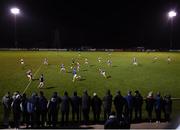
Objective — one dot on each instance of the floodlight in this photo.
(15, 11)
(172, 14)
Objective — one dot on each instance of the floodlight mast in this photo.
(15, 11)
(171, 15)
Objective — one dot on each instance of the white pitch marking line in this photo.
(31, 80)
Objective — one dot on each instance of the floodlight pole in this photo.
(15, 35)
(171, 34)
(171, 15)
(15, 11)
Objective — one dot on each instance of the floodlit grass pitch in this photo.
(147, 76)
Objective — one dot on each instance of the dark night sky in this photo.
(101, 24)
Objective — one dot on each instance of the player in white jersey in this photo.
(45, 61)
(109, 63)
(99, 59)
(78, 66)
(155, 59)
(86, 61)
(103, 73)
(79, 54)
(72, 64)
(135, 61)
(169, 59)
(62, 68)
(29, 75)
(22, 61)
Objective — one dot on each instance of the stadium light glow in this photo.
(172, 14)
(15, 11)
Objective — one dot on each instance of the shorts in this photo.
(41, 83)
(29, 76)
(75, 76)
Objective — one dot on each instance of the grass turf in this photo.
(147, 76)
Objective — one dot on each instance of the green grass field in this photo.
(147, 76)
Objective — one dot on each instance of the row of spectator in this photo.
(37, 111)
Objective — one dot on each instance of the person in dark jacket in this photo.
(65, 106)
(6, 102)
(86, 102)
(119, 103)
(167, 107)
(124, 122)
(16, 110)
(149, 105)
(53, 108)
(42, 108)
(129, 105)
(25, 117)
(112, 122)
(96, 107)
(32, 106)
(158, 107)
(138, 101)
(76, 104)
(107, 104)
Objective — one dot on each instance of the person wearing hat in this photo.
(6, 102)
(86, 103)
(107, 104)
(65, 106)
(138, 102)
(75, 104)
(150, 105)
(96, 107)
(119, 103)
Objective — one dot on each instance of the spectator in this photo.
(112, 122)
(167, 107)
(138, 101)
(14, 95)
(75, 103)
(65, 107)
(119, 103)
(16, 110)
(158, 107)
(124, 122)
(32, 110)
(25, 117)
(6, 102)
(149, 105)
(96, 107)
(129, 105)
(107, 104)
(42, 108)
(86, 102)
(53, 107)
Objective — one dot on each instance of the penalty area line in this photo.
(31, 80)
